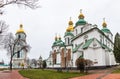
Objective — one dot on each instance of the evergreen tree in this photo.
(44, 64)
(117, 47)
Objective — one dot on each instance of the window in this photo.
(19, 36)
(76, 32)
(106, 42)
(18, 54)
(101, 39)
(68, 41)
(81, 30)
(65, 40)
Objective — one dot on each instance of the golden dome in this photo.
(104, 23)
(21, 29)
(81, 16)
(70, 27)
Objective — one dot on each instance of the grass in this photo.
(116, 70)
(48, 74)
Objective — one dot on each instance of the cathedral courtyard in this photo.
(109, 73)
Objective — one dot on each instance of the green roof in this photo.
(59, 43)
(104, 46)
(76, 48)
(90, 41)
(106, 30)
(80, 22)
(69, 34)
(87, 43)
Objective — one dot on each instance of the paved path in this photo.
(11, 75)
(100, 74)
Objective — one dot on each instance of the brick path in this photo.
(100, 74)
(11, 75)
(92, 76)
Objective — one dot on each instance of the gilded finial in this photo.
(21, 26)
(59, 37)
(81, 16)
(70, 18)
(104, 23)
(80, 10)
(70, 22)
(55, 36)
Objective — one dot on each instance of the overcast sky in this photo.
(43, 23)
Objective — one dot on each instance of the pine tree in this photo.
(117, 47)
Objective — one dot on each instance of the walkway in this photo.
(100, 74)
(10, 75)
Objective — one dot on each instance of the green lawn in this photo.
(48, 74)
(116, 70)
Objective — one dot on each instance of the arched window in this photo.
(18, 54)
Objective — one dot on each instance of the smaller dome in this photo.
(70, 27)
(69, 34)
(105, 30)
(70, 22)
(21, 29)
(58, 43)
(81, 16)
(80, 22)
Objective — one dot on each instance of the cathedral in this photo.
(19, 58)
(82, 40)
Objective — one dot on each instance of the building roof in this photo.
(88, 42)
(81, 34)
(86, 45)
(78, 46)
(58, 43)
(69, 34)
(106, 30)
(80, 22)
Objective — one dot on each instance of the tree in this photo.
(80, 63)
(30, 3)
(44, 64)
(34, 62)
(40, 62)
(83, 64)
(117, 47)
(88, 63)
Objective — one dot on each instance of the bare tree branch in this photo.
(30, 3)
(3, 27)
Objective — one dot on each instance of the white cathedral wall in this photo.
(74, 59)
(58, 58)
(112, 58)
(96, 55)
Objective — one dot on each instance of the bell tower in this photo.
(19, 58)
